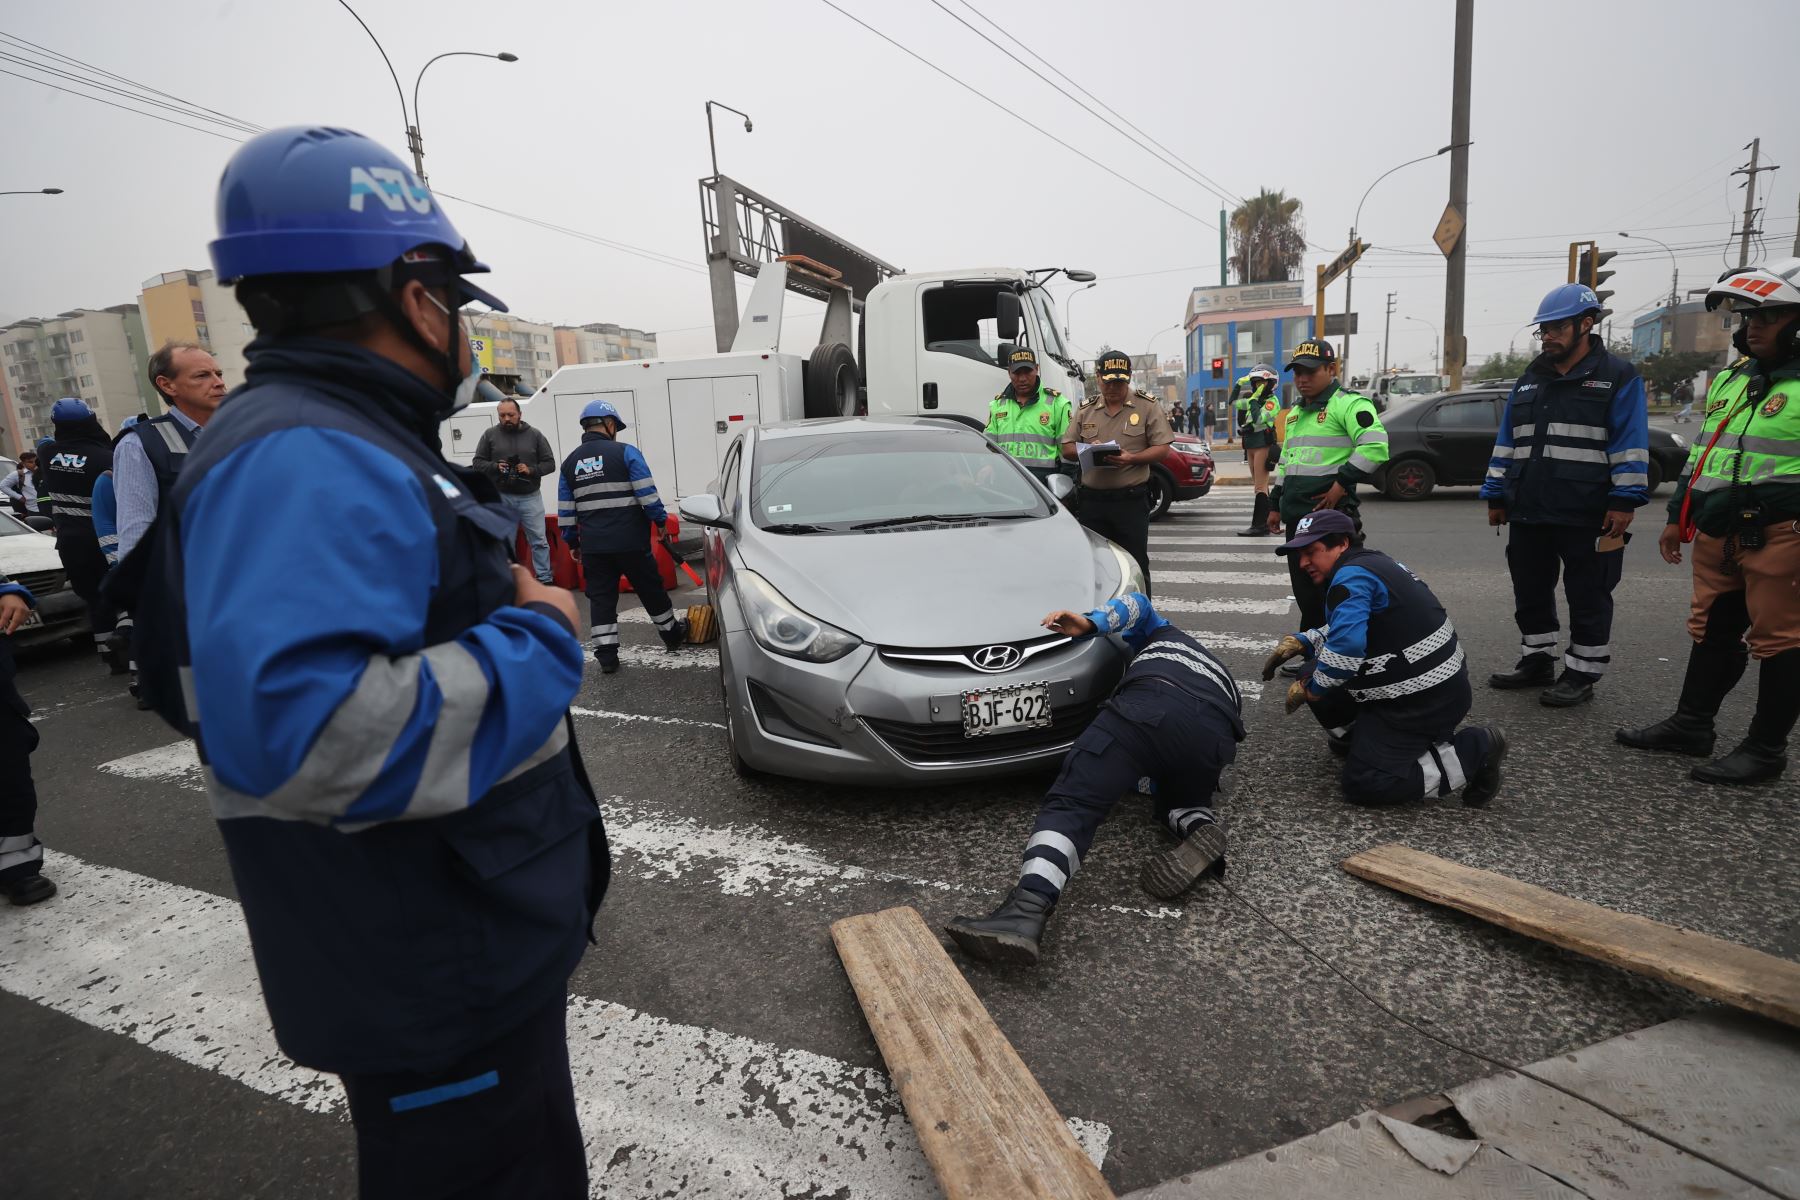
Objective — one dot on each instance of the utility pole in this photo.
(1349, 281)
(1387, 332)
(1456, 347)
(1797, 232)
(1750, 173)
(1223, 256)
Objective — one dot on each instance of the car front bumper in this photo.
(870, 719)
(64, 615)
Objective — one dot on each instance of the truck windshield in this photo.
(829, 482)
(1414, 385)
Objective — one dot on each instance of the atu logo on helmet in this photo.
(390, 186)
(1304, 525)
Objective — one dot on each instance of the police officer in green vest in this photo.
(1256, 400)
(1335, 440)
(1028, 420)
(1738, 503)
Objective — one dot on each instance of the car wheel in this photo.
(739, 767)
(1161, 493)
(1656, 476)
(1412, 479)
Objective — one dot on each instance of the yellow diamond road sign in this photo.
(1449, 230)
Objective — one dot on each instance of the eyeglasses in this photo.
(1549, 327)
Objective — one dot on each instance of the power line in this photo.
(1162, 153)
(1015, 116)
(56, 54)
(655, 256)
(127, 94)
(127, 108)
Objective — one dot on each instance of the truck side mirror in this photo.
(1008, 312)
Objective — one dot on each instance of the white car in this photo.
(30, 558)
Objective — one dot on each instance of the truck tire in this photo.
(830, 385)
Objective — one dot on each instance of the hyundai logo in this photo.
(997, 658)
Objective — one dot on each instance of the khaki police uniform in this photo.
(1115, 500)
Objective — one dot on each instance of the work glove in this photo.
(1296, 696)
(572, 540)
(1289, 647)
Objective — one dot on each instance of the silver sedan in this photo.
(879, 586)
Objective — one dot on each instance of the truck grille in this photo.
(937, 743)
(41, 583)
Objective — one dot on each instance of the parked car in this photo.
(29, 557)
(1446, 441)
(1185, 474)
(879, 585)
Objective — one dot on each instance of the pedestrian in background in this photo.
(147, 460)
(22, 878)
(1570, 469)
(518, 458)
(1256, 403)
(74, 461)
(380, 699)
(1115, 494)
(19, 487)
(606, 504)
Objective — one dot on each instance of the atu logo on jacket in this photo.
(74, 462)
(590, 466)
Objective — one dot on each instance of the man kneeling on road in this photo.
(1389, 683)
(1175, 719)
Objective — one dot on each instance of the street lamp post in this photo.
(413, 135)
(1434, 341)
(1355, 224)
(1674, 285)
(1149, 351)
(58, 192)
(711, 144)
(1069, 308)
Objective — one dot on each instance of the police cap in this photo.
(1021, 358)
(1313, 352)
(1113, 364)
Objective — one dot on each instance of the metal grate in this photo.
(41, 583)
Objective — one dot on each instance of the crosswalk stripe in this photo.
(664, 660)
(1210, 556)
(1175, 604)
(1222, 579)
(1226, 540)
(666, 1108)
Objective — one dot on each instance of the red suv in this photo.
(1186, 473)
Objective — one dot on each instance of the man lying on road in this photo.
(1175, 719)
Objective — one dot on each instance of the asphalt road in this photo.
(1185, 1034)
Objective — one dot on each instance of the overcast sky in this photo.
(1587, 119)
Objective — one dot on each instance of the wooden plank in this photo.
(1713, 967)
(986, 1126)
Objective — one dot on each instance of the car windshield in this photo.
(1414, 385)
(9, 526)
(834, 482)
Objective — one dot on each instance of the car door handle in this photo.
(1434, 437)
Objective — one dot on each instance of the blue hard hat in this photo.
(313, 199)
(1568, 300)
(128, 422)
(45, 443)
(597, 410)
(70, 409)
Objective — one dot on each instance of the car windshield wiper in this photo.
(796, 528)
(920, 519)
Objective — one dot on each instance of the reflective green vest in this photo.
(1759, 451)
(1341, 440)
(1032, 433)
(1252, 413)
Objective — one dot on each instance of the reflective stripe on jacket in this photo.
(1031, 432)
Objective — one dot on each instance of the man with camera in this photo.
(517, 458)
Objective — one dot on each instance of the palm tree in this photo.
(1268, 238)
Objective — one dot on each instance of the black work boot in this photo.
(28, 889)
(1485, 783)
(1712, 672)
(1572, 689)
(1171, 872)
(1762, 755)
(1534, 670)
(1010, 933)
(608, 658)
(1259, 520)
(676, 635)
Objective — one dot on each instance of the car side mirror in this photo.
(703, 509)
(40, 523)
(1061, 486)
(1008, 313)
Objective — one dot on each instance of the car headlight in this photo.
(780, 627)
(1680, 442)
(1118, 572)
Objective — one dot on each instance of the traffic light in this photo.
(1592, 273)
(1218, 368)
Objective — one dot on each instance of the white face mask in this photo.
(465, 387)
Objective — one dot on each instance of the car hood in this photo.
(943, 586)
(24, 553)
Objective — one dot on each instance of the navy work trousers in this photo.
(1401, 753)
(498, 1123)
(1123, 517)
(20, 852)
(603, 571)
(1147, 729)
(1535, 554)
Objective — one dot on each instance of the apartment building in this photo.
(599, 343)
(98, 355)
(192, 306)
(514, 349)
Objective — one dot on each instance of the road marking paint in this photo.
(1214, 556)
(609, 715)
(1223, 579)
(665, 1108)
(1175, 604)
(663, 660)
(740, 860)
(1222, 540)
(39, 714)
(1215, 640)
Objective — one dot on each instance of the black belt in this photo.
(1123, 493)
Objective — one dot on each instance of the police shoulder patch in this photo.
(1337, 595)
(1365, 418)
(1052, 393)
